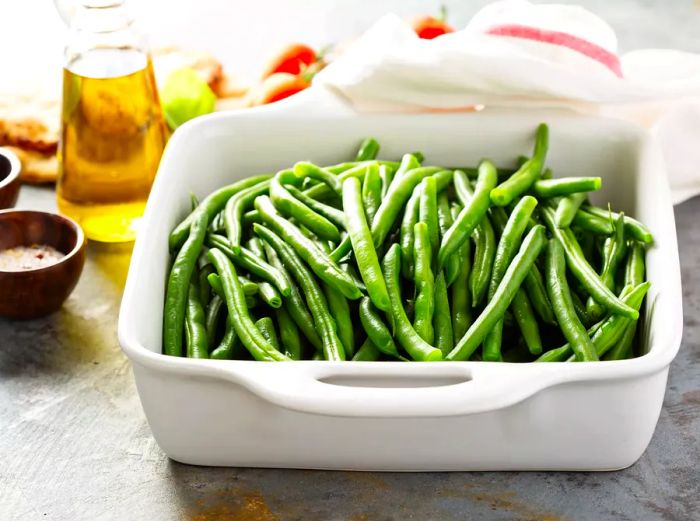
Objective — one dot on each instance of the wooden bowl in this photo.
(35, 293)
(9, 178)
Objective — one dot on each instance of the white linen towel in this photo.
(516, 53)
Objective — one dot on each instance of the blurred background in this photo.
(242, 33)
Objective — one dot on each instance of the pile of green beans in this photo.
(398, 260)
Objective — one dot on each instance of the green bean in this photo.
(634, 268)
(445, 220)
(485, 250)
(537, 293)
(579, 266)
(342, 250)
(238, 313)
(208, 208)
(546, 174)
(249, 288)
(526, 175)
(614, 250)
(334, 215)
(215, 283)
(368, 352)
(408, 221)
(495, 309)
(350, 270)
(204, 287)
(567, 208)
(368, 150)
(561, 354)
(233, 212)
(442, 320)
(472, 172)
(332, 346)
(267, 328)
(414, 345)
(386, 175)
(340, 311)
(228, 346)
(269, 294)
(463, 189)
(361, 238)
(408, 162)
(195, 328)
(491, 350)
(428, 212)
(251, 217)
(560, 296)
(194, 201)
(612, 330)
(178, 285)
(591, 223)
(633, 227)
(580, 309)
(341, 168)
(319, 261)
(525, 317)
(461, 299)
(322, 190)
(375, 328)
(424, 283)
(399, 192)
(308, 182)
(304, 169)
(289, 335)
(249, 261)
(508, 245)
(255, 246)
(291, 207)
(443, 179)
(371, 191)
(217, 223)
(295, 304)
(213, 313)
(607, 333)
(565, 186)
(471, 215)
(623, 348)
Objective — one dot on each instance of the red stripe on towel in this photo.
(591, 50)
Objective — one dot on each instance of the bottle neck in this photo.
(102, 41)
(101, 16)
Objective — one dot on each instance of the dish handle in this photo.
(391, 389)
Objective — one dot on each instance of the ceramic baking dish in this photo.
(402, 416)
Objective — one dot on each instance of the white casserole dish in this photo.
(399, 416)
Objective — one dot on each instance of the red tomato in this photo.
(279, 86)
(429, 27)
(292, 59)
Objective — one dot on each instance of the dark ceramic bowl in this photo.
(38, 292)
(9, 178)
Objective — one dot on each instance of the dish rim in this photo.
(542, 375)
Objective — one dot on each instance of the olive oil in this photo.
(113, 135)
